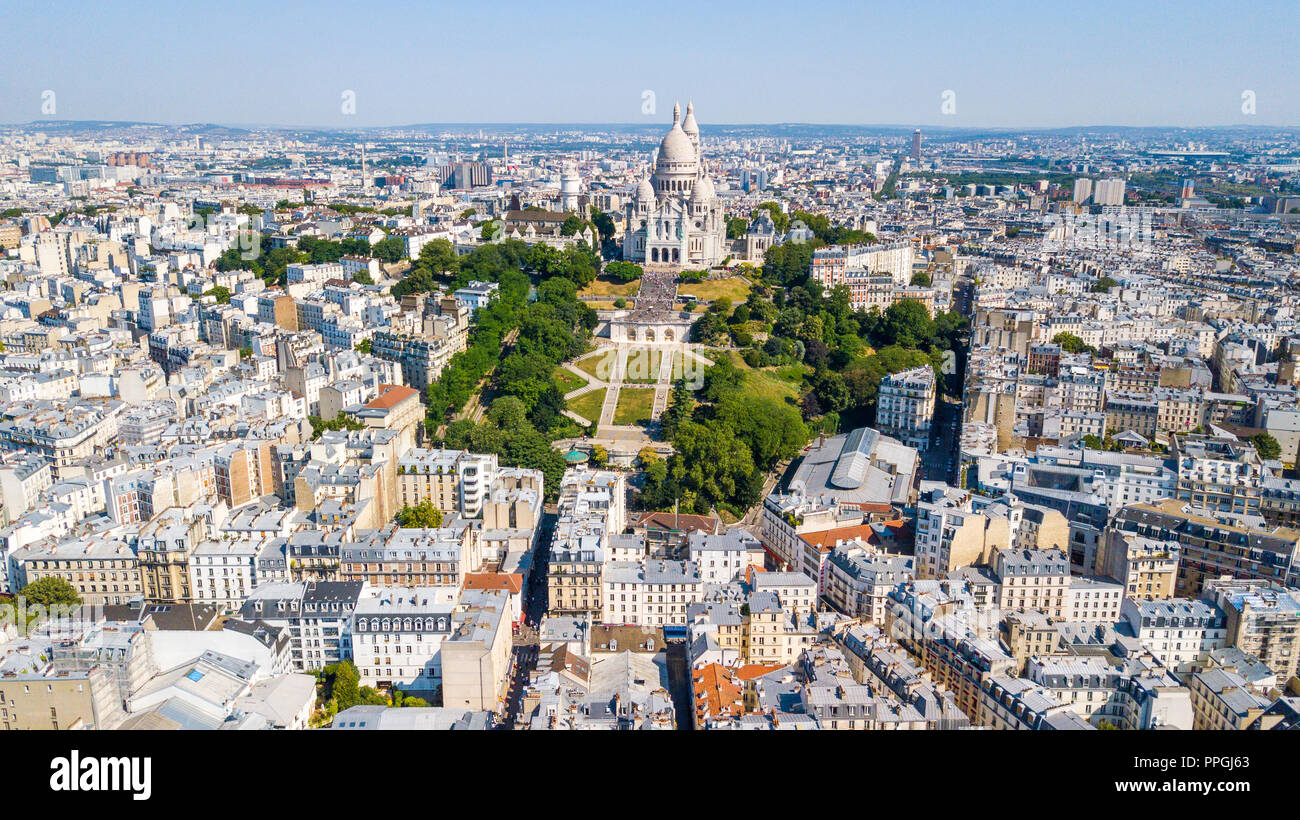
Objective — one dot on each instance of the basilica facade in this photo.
(675, 221)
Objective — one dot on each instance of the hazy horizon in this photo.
(651, 128)
(1008, 64)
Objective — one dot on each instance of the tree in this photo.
(363, 346)
(624, 271)
(907, 323)
(604, 224)
(678, 409)
(346, 689)
(599, 457)
(1104, 284)
(339, 422)
(833, 394)
(720, 379)
(221, 292)
(389, 250)
(772, 429)
(921, 279)
(780, 219)
(369, 696)
(572, 224)
(423, 514)
(580, 264)
(1072, 344)
(712, 466)
(1267, 446)
(509, 413)
(50, 591)
(439, 258)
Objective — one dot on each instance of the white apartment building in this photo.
(223, 573)
(796, 591)
(905, 406)
(1093, 601)
(1133, 694)
(454, 481)
(650, 593)
(859, 580)
(832, 265)
(724, 558)
(1177, 631)
(23, 477)
(585, 492)
(397, 636)
(1031, 579)
(1108, 192)
(318, 274)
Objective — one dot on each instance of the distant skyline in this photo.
(1008, 64)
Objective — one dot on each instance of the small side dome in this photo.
(703, 193)
(645, 192)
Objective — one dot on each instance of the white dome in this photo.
(676, 148)
(689, 125)
(645, 192)
(703, 191)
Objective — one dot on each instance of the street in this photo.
(679, 684)
(526, 645)
(939, 462)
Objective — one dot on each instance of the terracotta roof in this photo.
(869, 506)
(511, 581)
(750, 671)
(716, 692)
(683, 522)
(563, 660)
(825, 539)
(392, 397)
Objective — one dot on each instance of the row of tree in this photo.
(527, 413)
(725, 437)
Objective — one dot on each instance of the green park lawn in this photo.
(567, 380)
(710, 290)
(642, 366)
(611, 288)
(599, 365)
(588, 405)
(634, 406)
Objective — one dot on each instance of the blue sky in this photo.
(1009, 64)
